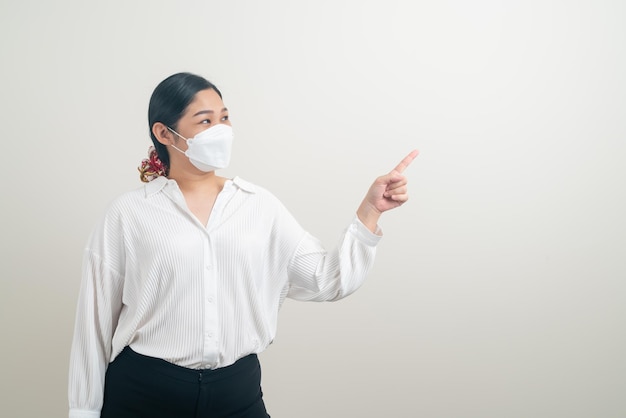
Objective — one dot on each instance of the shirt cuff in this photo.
(363, 233)
(84, 413)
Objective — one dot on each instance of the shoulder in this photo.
(128, 202)
(129, 199)
(125, 209)
(263, 198)
(253, 189)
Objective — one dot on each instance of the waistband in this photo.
(249, 363)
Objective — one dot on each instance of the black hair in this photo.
(169, 101)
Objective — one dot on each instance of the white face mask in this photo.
(210, 149)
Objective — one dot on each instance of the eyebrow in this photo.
(204, 112)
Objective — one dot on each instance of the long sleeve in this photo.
(97, 313)
(318, 275)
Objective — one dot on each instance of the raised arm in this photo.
(317, 275)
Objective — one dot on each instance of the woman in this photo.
(183, 278)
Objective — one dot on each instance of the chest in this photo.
(201, 207)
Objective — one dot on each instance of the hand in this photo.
(387, 192)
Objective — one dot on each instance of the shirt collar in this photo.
(244, 185)
(156, 185)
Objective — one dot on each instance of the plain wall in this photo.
(499, 288)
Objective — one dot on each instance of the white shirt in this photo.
(156, 279)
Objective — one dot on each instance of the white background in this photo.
(499, 289)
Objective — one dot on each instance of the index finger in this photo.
(406, 161)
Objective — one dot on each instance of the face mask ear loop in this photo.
(174, 146)
(173, 131)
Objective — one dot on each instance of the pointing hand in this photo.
(387, 192)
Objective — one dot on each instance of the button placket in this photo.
(210, 352)
(211, 347)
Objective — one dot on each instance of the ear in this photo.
(162, 134)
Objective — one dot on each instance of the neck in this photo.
(197, 182)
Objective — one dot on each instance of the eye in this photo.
(206, 121)
(224, 118)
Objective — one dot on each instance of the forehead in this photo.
(205, 100)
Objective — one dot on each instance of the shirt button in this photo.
(210, 299)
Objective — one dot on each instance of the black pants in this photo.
(137, 386)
